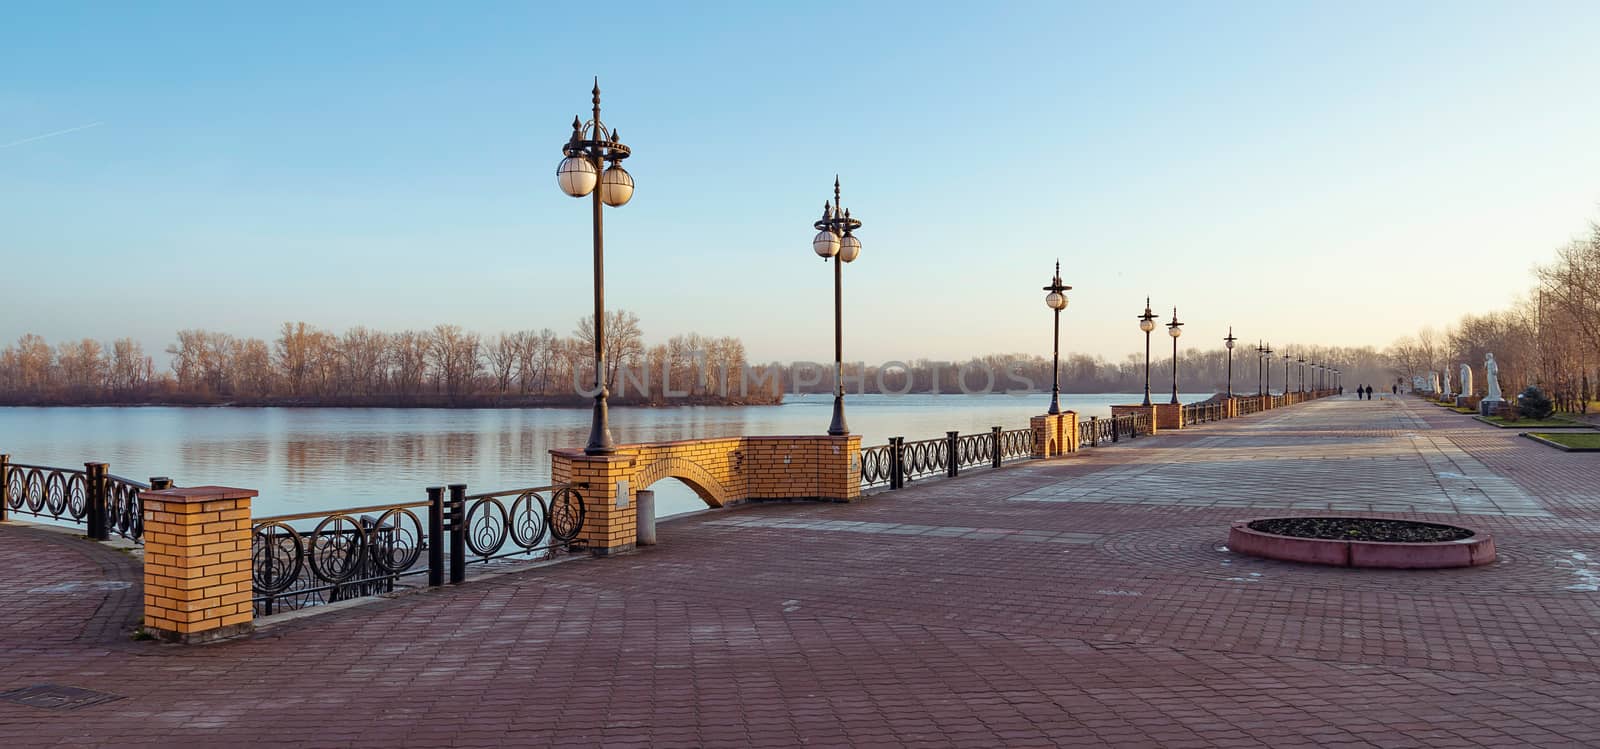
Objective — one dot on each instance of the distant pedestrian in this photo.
(1394, 389)
(1369, 392)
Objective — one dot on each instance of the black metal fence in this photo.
(1200, 413)
(1097, 432)
(103, 503)
(313, 558)
(898, 463)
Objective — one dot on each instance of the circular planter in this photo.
(1472, 550)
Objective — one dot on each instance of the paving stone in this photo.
(1085, 600)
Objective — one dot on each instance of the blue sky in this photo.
(1341, 173)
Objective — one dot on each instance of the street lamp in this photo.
(592, 167)
(836, 239)
(1147, 323)
(1229, 343)
(1175, 329)
(1285, 374)
(1056, 300)
(1300, 371)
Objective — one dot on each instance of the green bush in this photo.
(1534, 404)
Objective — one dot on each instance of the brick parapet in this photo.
(722, 471)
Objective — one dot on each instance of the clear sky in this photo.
(1334, 172)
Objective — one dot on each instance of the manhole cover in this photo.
(56, 697)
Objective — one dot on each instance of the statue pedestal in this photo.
(1468, 401)
(1488, 407)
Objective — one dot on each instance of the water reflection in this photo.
(311, 459)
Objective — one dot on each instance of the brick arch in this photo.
(697, 478)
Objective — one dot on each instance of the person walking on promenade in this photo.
(1369, 392)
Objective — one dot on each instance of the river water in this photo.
(304, 459)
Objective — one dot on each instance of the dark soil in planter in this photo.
(1361, 529)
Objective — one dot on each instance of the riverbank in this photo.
(419, 401)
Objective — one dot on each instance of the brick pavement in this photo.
(951, 613)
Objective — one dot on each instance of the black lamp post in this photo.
(1300, 371)
(1147, 323)
(1056, 300)
(1266, 368)
(1286, 374)
(1175, 329)
(585, 171)
(1229, 343)
(836, 240)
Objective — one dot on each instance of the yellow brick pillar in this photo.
(838, 468)
(1230, 408)
(1168, 416)
(1054, 434)
(610, 525)
(197, 563)
(1045, 430)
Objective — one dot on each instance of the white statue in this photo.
(1433, 382)
(1417, 384)
(1446, 387)
(1466, 379)
(1491, 378)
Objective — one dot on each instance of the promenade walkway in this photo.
(1081, 601)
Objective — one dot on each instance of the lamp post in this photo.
(1057, 301)
(1229, 343)
(1147, 323)
(1266, 366)
(1259, 348)
(1300, 371)
(1286, 375)
(1175, 329)
(584, 171)
(836, 240)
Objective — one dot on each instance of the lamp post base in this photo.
(600, 430)
(838, 427)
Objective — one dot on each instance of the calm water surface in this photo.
(304, 459)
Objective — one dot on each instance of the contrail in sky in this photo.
(51, 135)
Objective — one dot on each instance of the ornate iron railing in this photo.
(103, 503)
(924, 458)
(124, 510)
(1200, 413)
(309, 559)
(1015, 444)
(1098, 432)
(899, 462)
(877, 465)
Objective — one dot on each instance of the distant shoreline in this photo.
(419, 404)
(497, 403)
